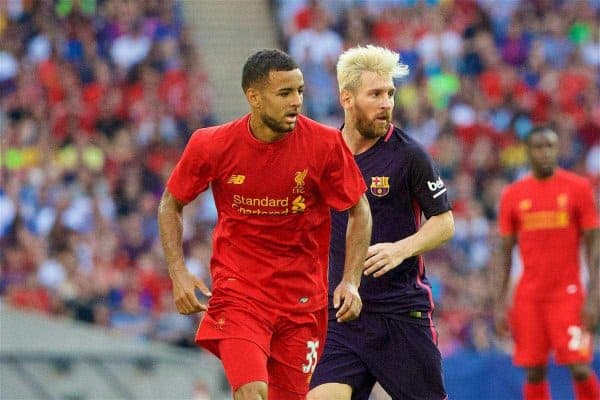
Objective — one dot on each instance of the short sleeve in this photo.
(342, 182)
(586, 207)
(427, 186)
(192, 174)
(507, 225)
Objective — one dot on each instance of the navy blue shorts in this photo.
(400, 353)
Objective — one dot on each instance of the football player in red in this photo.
(275, 175)
(548, 214)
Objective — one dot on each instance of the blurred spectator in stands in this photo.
(171, 327)
(557, 47)
(354, 27)
(439, 45)
(514, 47)
(304, 17)
(131, 319)
(200, 391)
(316, 50)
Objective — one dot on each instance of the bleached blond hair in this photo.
(355, 60)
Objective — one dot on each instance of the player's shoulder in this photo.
(400, 141)
(567, 177)
(321, 139)
(218, 133)
(521, 183)
(314, 128)
(399, 138)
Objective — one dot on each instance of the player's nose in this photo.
(296, 99)
(387, 102)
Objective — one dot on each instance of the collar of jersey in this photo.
(252, 140)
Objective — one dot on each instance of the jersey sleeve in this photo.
(507, 225)
(427, 186)
(342, 182)
(586, 209)
(192, 174)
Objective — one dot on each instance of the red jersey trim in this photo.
(388, 135)
(417, 215)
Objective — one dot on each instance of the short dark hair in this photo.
(535, 131)
(262, 62)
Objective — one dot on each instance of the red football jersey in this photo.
(548, 217)
(273, 200)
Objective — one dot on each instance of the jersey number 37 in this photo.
(311, 357)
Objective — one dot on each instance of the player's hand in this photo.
(383, 257)
(346, 294)
(501, 321)
(184, 292)
(590, 314)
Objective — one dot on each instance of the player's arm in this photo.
(591, 309)
(358, 237)
(170, 226)
(501, 266)
(383, 257)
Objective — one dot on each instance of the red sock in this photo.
(588, 389)
(536, 391)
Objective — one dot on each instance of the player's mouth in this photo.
(382, 119)
(546, 160)
(291, 117)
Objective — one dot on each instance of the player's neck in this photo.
(543, 175)
(262, 132)
(356, 142)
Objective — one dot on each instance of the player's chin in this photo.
(287, 125)
(546, 170)
(380, 127)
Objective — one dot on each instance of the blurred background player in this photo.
(548, 214)
(266, 319)
(394, 339)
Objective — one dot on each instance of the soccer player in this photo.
(394, 340)
(547, 214)
(275, 175)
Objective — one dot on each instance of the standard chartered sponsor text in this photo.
(261, 206)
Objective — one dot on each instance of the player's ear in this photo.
(253, 97)
(346, 99)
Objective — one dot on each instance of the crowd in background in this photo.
(482, 74)
(99, 97)
(98, 100)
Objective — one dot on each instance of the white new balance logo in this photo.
(433, 186)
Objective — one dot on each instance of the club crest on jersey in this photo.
(299, 179)
(562, 200)
(525, 204)
(380, 185)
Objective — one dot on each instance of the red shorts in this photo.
(277, 347)
(540, 327)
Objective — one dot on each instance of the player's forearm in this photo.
(501, 266)
(592, 242)
(436, 231)
(170, 227)
(358, 237)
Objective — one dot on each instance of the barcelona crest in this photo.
(380, 185)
